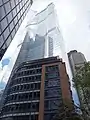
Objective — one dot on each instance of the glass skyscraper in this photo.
(46, 24)
(12, 13)
(39, 79)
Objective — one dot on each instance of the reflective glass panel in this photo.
(2, 12)
(7, 7)
(9, 16)
(6, 33)
(12, 3)
(4, 24)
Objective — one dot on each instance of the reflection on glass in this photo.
(45, 24)
(11, 26)
(6, 33)
(7, 7)
(9, 17)
(3, 24)
(2, 12)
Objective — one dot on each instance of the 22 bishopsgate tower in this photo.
(39, 83)
(12, 13)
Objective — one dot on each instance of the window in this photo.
(54, 104)
(1, 40)
(52, 93)
(37, 85)
(15, 20)
(21, 87)
(8, 40)
(17, 87)
(2, 12)
(28, 86)
(16, 27)
(23, 2)
(52, 75)
(46, 104)
(14, 12)
(35, 106)
(16, 1)
(9, 17)
(24, 86)
(6, 33)
(11, 26)
(18, 8)
(51, 83)
(12, 3)
(15, 97)
(29, 105)
(20, 5)
(4, 24)
(32, 86)
(30, 96)
(7, 7)
(49, 116)
(13, 33)
(26, 96)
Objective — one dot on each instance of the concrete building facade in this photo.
(35, 90)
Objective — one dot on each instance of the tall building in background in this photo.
(76, 59)
(36, 89)
(12, 13)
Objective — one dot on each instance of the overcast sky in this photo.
(74, 20)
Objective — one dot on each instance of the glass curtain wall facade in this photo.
(12, 13)
(45, 24)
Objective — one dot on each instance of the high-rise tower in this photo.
(12, 13)
(38, 84)
(76, 59)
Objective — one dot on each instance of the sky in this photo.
(74, 21)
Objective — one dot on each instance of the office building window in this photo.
(4, 24)
(6, 33)
(16, 2)
(16, 27)
(8, 41)
(2, 12)
(7, 7)
(9, 16)
(52, 82)
(12, 3)
(18, 9)
(20, 5)
(15, 20)
(13, 33)
(11, 26)
(19, 15)
(1, 40)
(14, 12)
